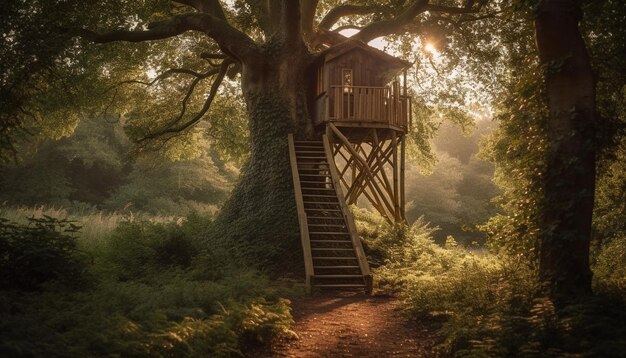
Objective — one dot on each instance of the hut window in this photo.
(346, 78)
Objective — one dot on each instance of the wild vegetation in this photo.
(147, 206)
(141, 289)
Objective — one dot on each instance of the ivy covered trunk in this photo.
(259, 220)
(571, 162)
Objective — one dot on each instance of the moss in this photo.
(259, 222)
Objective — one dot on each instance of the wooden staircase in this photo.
(333, 254)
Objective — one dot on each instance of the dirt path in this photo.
(353, 325)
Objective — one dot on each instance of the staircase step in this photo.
(335, 258)
(316, 157)
(316, 175)
(325, 217)
(315, 182)
(336, 267)
(331, 249)
(332, 203)
(319, 196)
(328, 233)
(310, 151)
(321, 189)
(309, 148)
(322, 209)
(338, 276)
(328, 225)
(340, 285)
(333, 241)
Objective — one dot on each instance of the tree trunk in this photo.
(259, 221)
(571, 161)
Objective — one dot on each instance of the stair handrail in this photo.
(347, 214)
(302, 218)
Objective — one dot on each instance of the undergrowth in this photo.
(146, 289)
(489, 304)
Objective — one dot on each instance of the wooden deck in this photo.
(362, 106)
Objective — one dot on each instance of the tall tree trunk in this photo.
(259, 221)
(571, 161)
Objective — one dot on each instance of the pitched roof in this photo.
(334, 52)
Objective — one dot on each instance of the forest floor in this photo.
(336, 324)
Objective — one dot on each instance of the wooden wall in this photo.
(367, 70)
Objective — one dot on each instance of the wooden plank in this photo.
(356, 241)
(361, 182)
(302, 219)
(402, 182)
(380, 164)
(396, 204)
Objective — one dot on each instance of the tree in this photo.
(272, 44)
(548, 147)
(569, 183)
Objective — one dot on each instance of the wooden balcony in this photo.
(365, 106)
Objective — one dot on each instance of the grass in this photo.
(139, 286)
(96, 225)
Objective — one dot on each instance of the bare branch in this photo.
(329, 38)
(340, 11)
(346, 27)
(164, 75)
(172, 128)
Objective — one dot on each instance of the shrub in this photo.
(159, 291)
(610, 268)
(42, 251)
(490, 304)
(139, 249)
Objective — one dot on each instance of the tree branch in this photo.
(230, 40)
(166, 74)
(391, 26)
(172, 128)
(340, 11)
(307, 12)
(290, 22)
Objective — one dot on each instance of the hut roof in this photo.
(393, 63)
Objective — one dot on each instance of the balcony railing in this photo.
(366, 104)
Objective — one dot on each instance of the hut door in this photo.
(348, 93)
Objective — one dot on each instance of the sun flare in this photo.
(431, 49)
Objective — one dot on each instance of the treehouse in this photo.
(362, 113)
(358, 86)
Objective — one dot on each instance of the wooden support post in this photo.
(396, 197)
(402, 182)
(364, 166)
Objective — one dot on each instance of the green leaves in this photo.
(42, 252)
